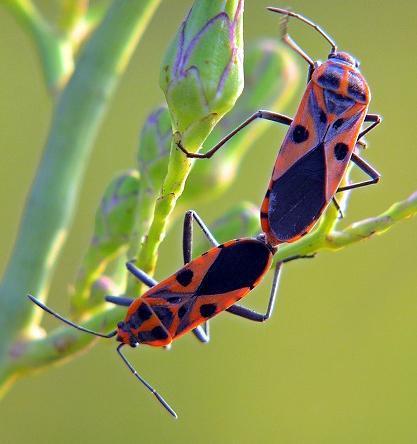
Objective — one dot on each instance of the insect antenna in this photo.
(68, 322)
(146, 384)
(308, 22)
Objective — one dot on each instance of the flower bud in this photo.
(272, 79)
(154, 149)
(113, 231)
(202, 73)
(116, 214)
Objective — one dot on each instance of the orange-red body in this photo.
(316, 150)
(204, 287)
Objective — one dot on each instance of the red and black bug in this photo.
(319, 144)
(204, 287)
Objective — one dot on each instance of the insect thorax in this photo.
(342, 81)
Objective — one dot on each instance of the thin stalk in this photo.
(54, 50)
(51, 202)
(65, 342)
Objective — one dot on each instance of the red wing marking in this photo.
(208, 285)
(290, 151)
(339, 146)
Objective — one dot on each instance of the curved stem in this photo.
(367, 228)
(65, 342)
(356, 232)
(51, 202)
(72, 11)
(54, 50)
(178, 169)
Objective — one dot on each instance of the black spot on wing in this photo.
(182, 311)
(174, 299)
(339, 126)
(340, 150)
(338, 123)
(184, 276)
(300, 134)
(164, 314)
(157, 333)
(208, 310)
(298, 196)
(142, 314)
(184, 315)
(237, 266)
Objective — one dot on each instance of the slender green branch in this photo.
(113, 231)
(79, 19)
(63, 343)
(336, 239)
(54, 50)
(272, 79)
(152, 157)
(373, 226)
(59, 345)
(51, 203)
(198, 95)
(72, 12)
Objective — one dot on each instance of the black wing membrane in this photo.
(298, 197)
(237, 266)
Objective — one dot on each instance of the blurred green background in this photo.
(336, 364)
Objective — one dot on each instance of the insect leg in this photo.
(146, 384)
(252, 315)
(288, 40)
(375, 119)
(119, 300)
(336, 204)
(308, 22)
(202, 333)
(187, 239)
(261, 114)
(141, 275)
(68, 322)
(367, 169)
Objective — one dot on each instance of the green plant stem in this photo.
(58, 346)
(55, 51)
(337, 239)
(367, 228)
(73, 11)
(51, 202)
(144, 217)
(178, 169)
(65, 342)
